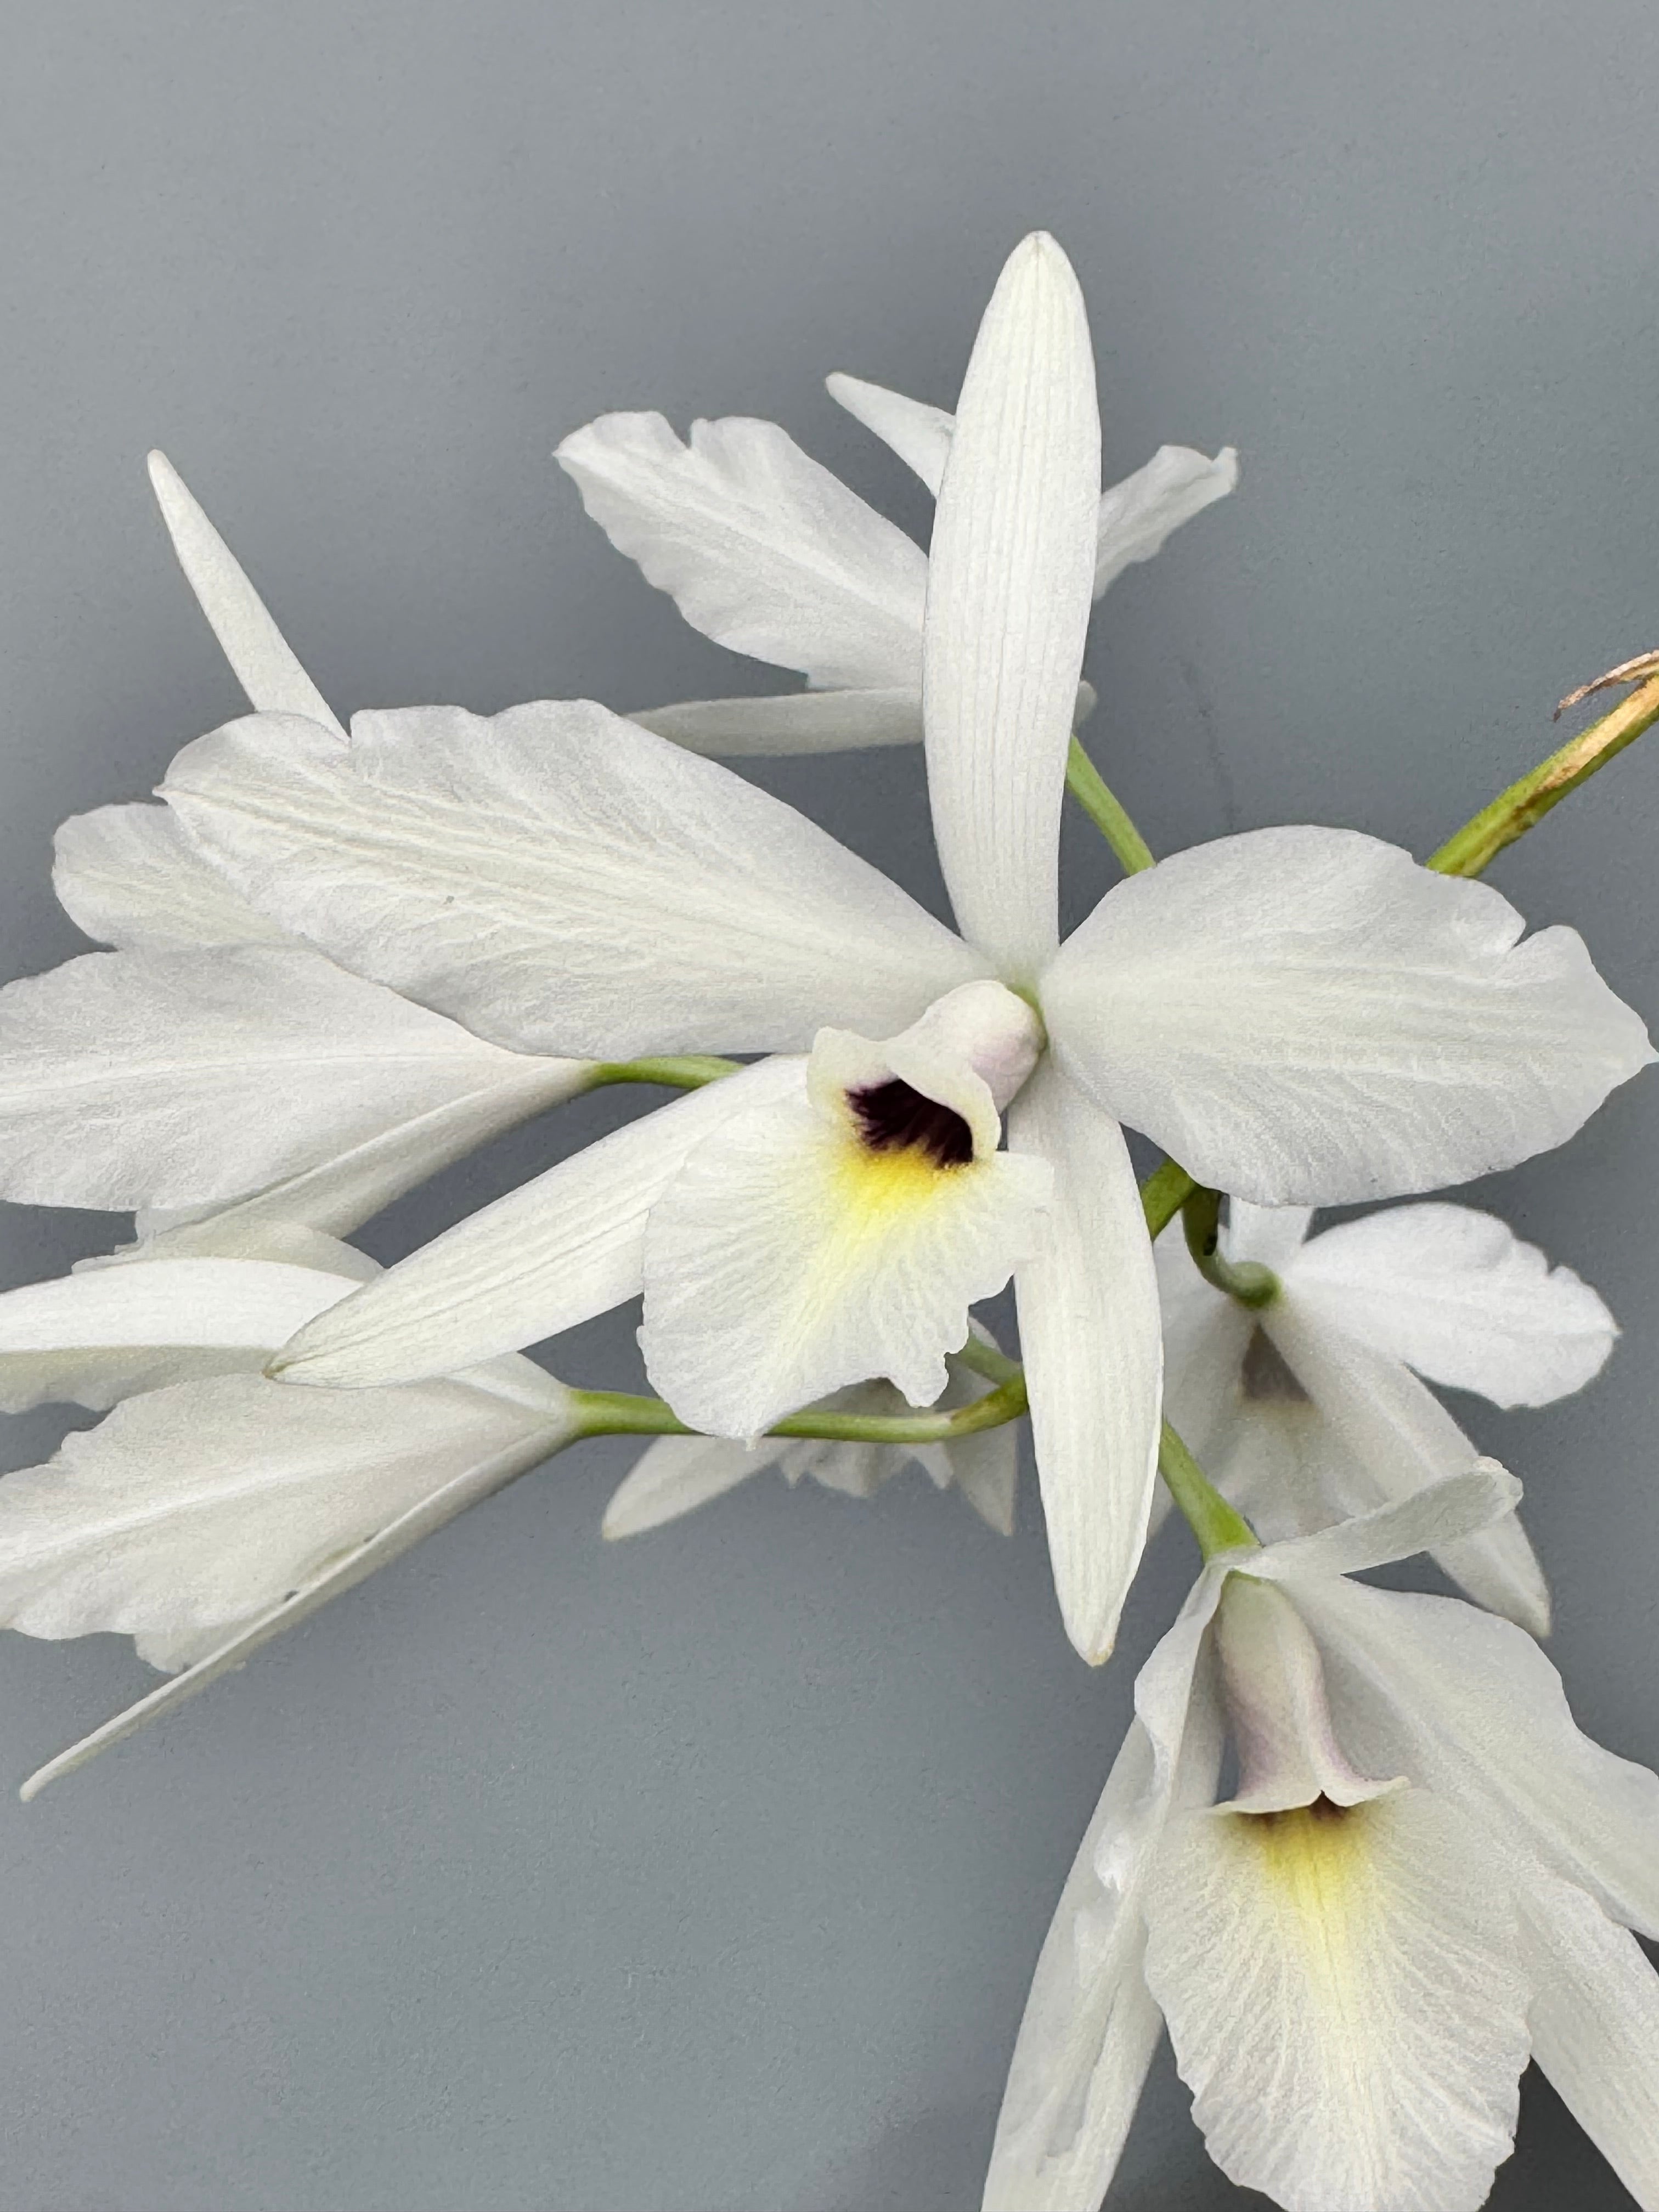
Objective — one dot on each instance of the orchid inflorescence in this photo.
(340, 960)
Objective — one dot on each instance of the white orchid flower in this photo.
(563, 881)
(765, 551)
(1425, 1874)
(212, 1508)
(675, 1474)
(212, 1060)
(1309, 1407)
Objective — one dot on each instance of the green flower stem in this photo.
(689, 1073)
(1246, 1280)
(1514, 811)
(985, 1360)
(616, 1412)
(1162, 1194)
(1103, 808)
(1212, 1520)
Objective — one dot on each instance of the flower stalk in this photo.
(1513, 812)
(620, 1412)
(1217, 1525)
(1105, 810)
(1246, 1281)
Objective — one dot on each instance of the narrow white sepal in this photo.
(1009, 589)
(263, 662)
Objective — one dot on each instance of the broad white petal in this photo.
(1469, 1705)
(1137, 515)
(1456, 1295)
(259, 654)
(1405, 1439)
(181, 1079)
(1090, 2028)
(787, 1258)
(562, 880)
(985, 1468)
(1596, 2028)
(675, 1475)
(1305, 1017)
(758, 546)
(188, 1511)
(1008, 587)
(100, 1334)
(795, 722)
(130, 877)
(918, 433)
(561, 1249)
(1342, 1990)
(1089, 1330)
(478, 1478)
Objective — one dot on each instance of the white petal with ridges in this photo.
(188, 1511)
(1137, 515)
(559, 1249)
(1090, 2028)
(1469, 1707)
(1008, 587)
(788, 1258)
(262, 661)
(1089, 1329)
(794, 722)
(1457, 1296)
(759, 547)
(1304, 1016)
(180, 1079)
(1367, 1953)
(562, 881)
(1596, 2027)
(130, 877)
(1405, 1439)
(1441, 1515)
(918, 433)
(100, 1335)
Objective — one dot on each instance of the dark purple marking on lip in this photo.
(892, 1117)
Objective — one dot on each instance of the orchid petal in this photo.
(562, 880)
(99, 1335)
(1089, 1330)
(918, 433)
(1405, 1439)
(388, 1443)
(794, 722)
(1457, 1296)
(1008, 598)
(1137, 515)
(128, 876)
(1596, 2028)
(788, 1259)
(1441, 1514)
(1090, 2028)
(1469, 1707)
(181, 1079)
(1305, 1016)
(1372, 1956)
(1271, 1236)
(567, 1245)
(188, 1511)
(675, 1475)
(263, 661)
(758, 546)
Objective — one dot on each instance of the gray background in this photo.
(706, 1873)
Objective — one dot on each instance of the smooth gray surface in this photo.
(705, 1874)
